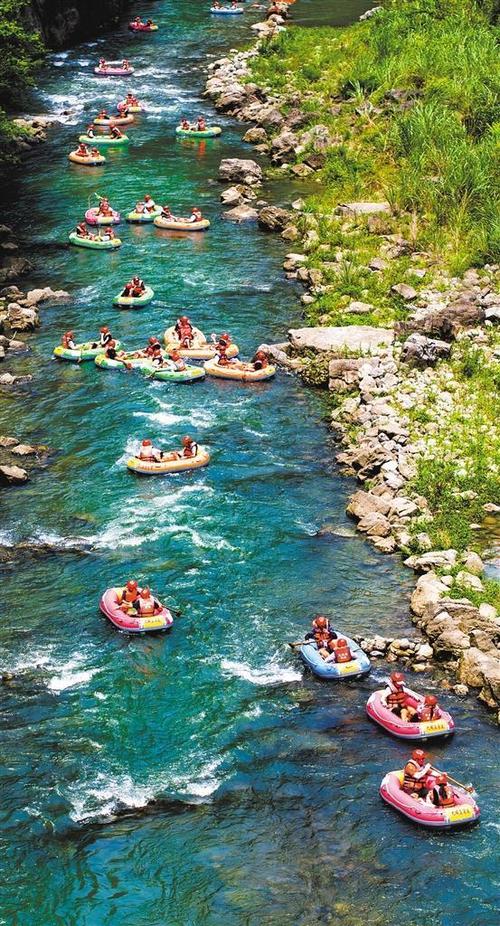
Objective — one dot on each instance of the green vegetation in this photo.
(411, 101)
(21, 50)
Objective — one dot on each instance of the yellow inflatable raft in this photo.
(235, 372)
(179, 465)
(201, 349)
(89, 161)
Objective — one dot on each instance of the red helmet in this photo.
(146, 442)
(341, 642)
(132, 585)
(398, 679)
(431, 699)
(104, 329)
(184, 318)
(224, 336)
(69, 334)
(153, 340)
(419, 755)
(442, 779)
(321, 621)
(145, 592)
(187, 441)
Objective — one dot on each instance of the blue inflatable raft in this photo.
(360, 665)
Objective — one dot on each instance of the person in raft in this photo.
(195, 216)
(90, 131)
(415, 774)
(149, 203)
(105, 337)
(395, 697)
(135, 287)
(167, 214)
(133, 600)
(82, 230)
(103, 114)
(185, 124)
(201, 124)
(149, 23)
(104, 207)
(130, 100)
(441, 794)
(153, 344)
(177, 361)
(126, 64)
(184, 331)
(428, 709)
(95, 153)
(336, 650)
(115, 132)
(107, 233)
(82, 151)
(68, 341)
(321, 630)
(102, 63)
(154, 455)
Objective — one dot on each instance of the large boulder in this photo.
(335, 340)
(363, 208)
(362, 504)
(428, 592)
(435, 559)
(274, 218)
(21, 318)
(283, 145)
(375, 524)
(343, 374)
(481, 670)
(446, 322)
(240, 170)
(241, 213)
(420, 351)
(13, 475)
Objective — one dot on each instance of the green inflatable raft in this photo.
(144, 365)
(210, 132)
(143, 216)
(97, 244)
(130, 302)
(103, 140)
(82, 352)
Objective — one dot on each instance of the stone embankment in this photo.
(377, 375)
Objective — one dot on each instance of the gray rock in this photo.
(240, 170)
(255, 135)
(429, 591)
(363, 208)
(335, 340)
(7, 442)
(375, 524)
(378, 264)
(434, 559)
(241, 213)
(405, 291)
(467, 580)
(274, 218)
(363, 503)
(13, 475)
(358, 308)
(473, 563)
(420, 351)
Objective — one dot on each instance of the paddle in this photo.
(300, 643)
(469, 788)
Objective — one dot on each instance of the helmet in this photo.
(186, 441)
(224, 336)
(184, 318)
(419, 755)
(397, 678)
(104, 329)
(321, 621)
(132, 585)
(146, 442)
(69, 334)
(153, 340)
(442, 779)
(145, 592)
(341, 642)
(174, 355)
(431, 699)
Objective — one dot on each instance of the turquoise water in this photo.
(200, 778)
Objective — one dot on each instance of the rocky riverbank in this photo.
(413, 386)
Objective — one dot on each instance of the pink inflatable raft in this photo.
(92, 217)
(464, 812)
(418, 730)
(129, 624)
(113, 70)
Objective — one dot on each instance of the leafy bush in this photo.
(21, 50)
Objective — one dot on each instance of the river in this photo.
(264, 781)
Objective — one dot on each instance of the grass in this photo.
(433, 151)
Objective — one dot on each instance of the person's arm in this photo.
(422, 772)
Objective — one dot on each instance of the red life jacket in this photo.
(442, 796)
(410, 783)
(396, 699)
(343, 654)
(428, 712)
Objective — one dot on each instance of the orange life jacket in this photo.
(442, 796)
(396, 699)
(428, 712)
(410, 783)
(146, 605)
(342, 654)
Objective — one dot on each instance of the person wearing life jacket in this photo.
(67, 341)
(415, 773)
(184, 331)
(178, 362)
(102, 114)
(185, 124)
(82, 151)
(126, 64)
(146, 605)
(115, 132)
(339, 651)
(102, 62)
(139, 208)
(138, 286)
(189, 447)
(110, 350)
(260, 360)
(138, 21)
(127, 597)
(394, 697)
(95, 153)
(107, 233)
(104, 207)
(149, 203)
(321, 630)
(148, 452)
(90, 131)
(149, 23)
(441, 794)
(428, 709)
(201, 124)
(195, 216)
(157, 357)
(152, 344)
(82, 230)
(105, 336)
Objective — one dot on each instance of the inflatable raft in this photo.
(128, 623)
(234, 372)
(144, 365)
(181, 465)
(464, 812)
(143, 216)
(129, 360)
(225, 11)
(113, 70)
(96, 244)
(130, 107)
(210, 132)
(82, 352)
(114, 120)
(181, 224)
(416, 730)
(130, 302)
(92, 217)
(189, 375)
(104, 140)
(201, 349)
(89, 161)
(359, 665)
(142, 27)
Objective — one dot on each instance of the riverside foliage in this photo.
(21, 50)
(430, 148)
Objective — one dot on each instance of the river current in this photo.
(200, 778)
